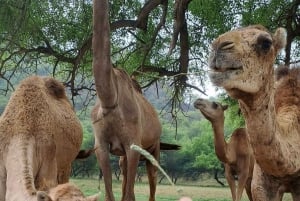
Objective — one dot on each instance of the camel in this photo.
(242, 62)
(121, 116)
(64, 192)
(236, 154)
(40, 136)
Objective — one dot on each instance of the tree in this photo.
(153, 40)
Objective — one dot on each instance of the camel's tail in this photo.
(167, 146)
(85, 153)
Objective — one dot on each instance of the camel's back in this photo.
(240, 140)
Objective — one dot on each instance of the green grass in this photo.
(163, 192)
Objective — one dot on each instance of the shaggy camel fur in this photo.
(121, 116)
(40, 136)
(64, 192)
(236, 154)
(241, 62)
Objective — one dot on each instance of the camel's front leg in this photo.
(243, 173)
(123, 167)
(230, 180)
(102, 154)
(152, 174)
(264, 187)
(133, 158)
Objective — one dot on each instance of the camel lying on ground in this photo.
(121, 116)
(64, 192)
(242, 62)
(40, 136)
(236, 154)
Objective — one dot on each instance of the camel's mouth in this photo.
(226, 69)
(199, 105)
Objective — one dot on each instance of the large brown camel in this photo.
(236, 154)
(64, 192)
(242, 62)
(121, 116)
(40, 136)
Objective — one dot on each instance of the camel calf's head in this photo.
(65, 192)
(212, 111)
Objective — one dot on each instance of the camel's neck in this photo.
(273, 151)
(219, 140)
(102, 66)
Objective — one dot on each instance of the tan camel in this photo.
(121, 116)
(40, 136)
(236, 154)
(241, 62)
(64, 192)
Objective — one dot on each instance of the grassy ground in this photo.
(163, 192)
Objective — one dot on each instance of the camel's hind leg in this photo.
(231, 181)
(152, 174)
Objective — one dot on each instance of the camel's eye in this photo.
(264, 43)
(214, 105)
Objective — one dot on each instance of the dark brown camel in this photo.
(121, 116)
(236, 154)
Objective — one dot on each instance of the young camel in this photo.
(236, 154)
(64, 192)
(121, 116)
(241, 62)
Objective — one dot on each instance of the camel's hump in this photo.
(53, 86)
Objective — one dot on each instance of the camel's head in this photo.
(64, 192)
(212, 111)
(242, 60)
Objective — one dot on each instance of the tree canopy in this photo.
(164, 44)
(153, 40)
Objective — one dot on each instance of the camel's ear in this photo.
(224, 107)
(42, 196)
(279, 38)
(92, 198)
